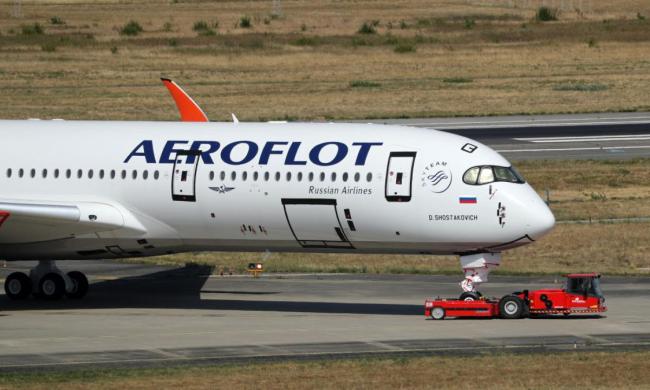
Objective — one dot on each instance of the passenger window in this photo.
(156, 175)
(244, 176)
(222, 175)
(56, 173)
(345, 176)
(322, 176)
(311, 176)
(145, 174)
(267, 176)
(299, 176)
(277, 176)
(211, 175)
(134, 174)
(9, 172)
(288, 176)
(486, 175)
(68, 173)
(101, 173)
(112, 173)
(233, 175)
(123, 174)
(21, 172)
(32, 173)
(471, 175)
(333, 176)
(369, 177)
(44, 173)
(80, 173)
(90, 173)
(256, 176)
(357, 176)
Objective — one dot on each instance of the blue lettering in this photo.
(213, 146)
(227, 151)
(291, 155)
(147, 152)
(314, 155)
(268, 150)
(168, 150)
(364, 150)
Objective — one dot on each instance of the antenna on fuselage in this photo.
(187, 107)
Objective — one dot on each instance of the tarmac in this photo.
(142, 316)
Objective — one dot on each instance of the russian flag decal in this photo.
(467, 200)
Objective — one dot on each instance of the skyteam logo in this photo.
(436, 176)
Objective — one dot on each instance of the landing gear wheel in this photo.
(18, 286)
(468, 296)
(51, 287)
(511, 307)
(438, 313)
(79, 285)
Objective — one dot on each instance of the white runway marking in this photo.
(572, 149)
(533, 123)
(599, 138)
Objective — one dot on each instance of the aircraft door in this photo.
(399, 176)
(186, 163)
(315, 223)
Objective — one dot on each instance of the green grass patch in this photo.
(405, 48)
(364, 84)
(368, 28)
(581, 87)
(132, 28)
(457, 80)
(32, 29)
(546, 14)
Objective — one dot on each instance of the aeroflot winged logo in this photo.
(244, 152)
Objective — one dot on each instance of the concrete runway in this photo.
(584, 136)
(139, 315)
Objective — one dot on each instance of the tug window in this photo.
(490, 174)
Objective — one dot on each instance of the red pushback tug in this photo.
(581, 294)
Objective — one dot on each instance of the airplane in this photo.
(114, 189)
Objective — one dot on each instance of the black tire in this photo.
(51, 287)
(438, 313)
(18, 285)
(470, 296)
(511, 307)
(79, 285)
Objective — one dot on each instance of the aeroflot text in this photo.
(244, 152)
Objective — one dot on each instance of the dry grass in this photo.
(300, 65)
(592, 370)
(608, 248)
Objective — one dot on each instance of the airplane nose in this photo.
(542, 221)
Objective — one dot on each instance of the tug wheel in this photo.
(511, 307)
(437, 313)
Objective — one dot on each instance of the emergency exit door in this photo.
(399, 176)
(186, 164)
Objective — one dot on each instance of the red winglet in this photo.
(190, 111)
(3, 217)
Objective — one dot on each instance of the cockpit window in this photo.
(486, 176)
(471, 175)
(489, 174)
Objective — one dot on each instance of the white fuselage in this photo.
(82, 189)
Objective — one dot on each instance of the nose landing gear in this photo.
(46, 281)
(477, 267)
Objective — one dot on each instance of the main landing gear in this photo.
(46, 281)
(477, 268)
